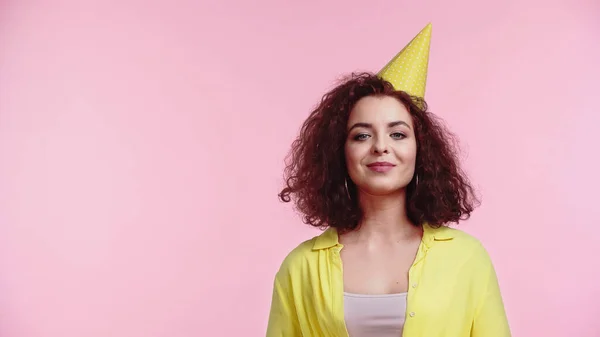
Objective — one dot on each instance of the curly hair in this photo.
(317, 178)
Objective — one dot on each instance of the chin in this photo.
(382, 189)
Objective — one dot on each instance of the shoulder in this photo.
(302, 256)
(455, 244)
(457, 237)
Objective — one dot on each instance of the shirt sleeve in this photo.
(490, 317)
(283, 320)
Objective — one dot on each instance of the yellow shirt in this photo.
(453, 290)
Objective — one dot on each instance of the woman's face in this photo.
(381, 148)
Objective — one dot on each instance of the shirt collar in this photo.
(329, 238)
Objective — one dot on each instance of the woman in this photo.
(380, 173)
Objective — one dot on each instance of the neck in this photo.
(385, 218)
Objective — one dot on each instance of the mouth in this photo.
(382, 166)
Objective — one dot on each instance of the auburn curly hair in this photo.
(317, 179)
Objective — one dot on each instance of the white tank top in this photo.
(374, 315)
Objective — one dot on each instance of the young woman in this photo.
(380, 173)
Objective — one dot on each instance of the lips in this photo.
(381, 164)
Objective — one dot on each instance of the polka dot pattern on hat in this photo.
(407, 71)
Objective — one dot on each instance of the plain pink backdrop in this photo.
(142, 147)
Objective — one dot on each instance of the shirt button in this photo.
(414, 285)
(412, 314)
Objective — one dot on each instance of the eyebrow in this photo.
(370, 126)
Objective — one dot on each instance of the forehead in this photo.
(379, 109)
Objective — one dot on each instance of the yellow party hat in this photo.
(407, 71)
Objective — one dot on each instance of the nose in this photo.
(380, 146)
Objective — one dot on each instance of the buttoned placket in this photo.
(337, 290)
(337, 283)
(334, 280)
(414, 277)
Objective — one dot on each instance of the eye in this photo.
(361, 136)
(398, 135)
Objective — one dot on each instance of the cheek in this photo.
(354, 155)
(408, 154)
(411, 155)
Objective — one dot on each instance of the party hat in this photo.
(407, 71)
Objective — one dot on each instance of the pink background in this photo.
(142, 144)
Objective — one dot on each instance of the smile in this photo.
(381, 166)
